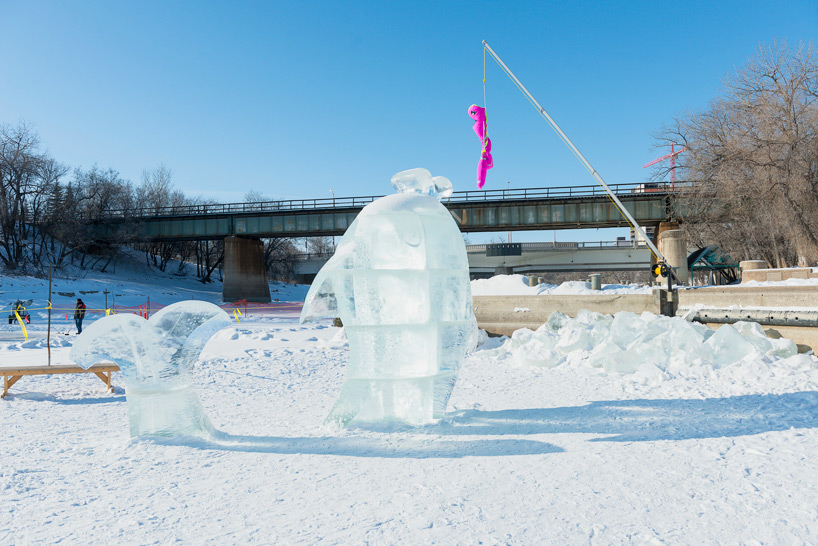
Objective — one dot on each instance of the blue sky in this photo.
(291, 99)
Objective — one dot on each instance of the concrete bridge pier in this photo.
(673, 247)
(245, 276)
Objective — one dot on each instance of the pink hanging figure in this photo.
(478, 114)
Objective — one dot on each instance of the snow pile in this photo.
(646, 343)
(503, 285)
(517, 285)
(787, 282)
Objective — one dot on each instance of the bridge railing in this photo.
(526, 247)
(565, 245)
(566, 192)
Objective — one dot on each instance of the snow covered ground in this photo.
(130, 287)
(517, 285)
(698, 452)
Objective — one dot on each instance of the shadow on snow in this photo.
(646, 420)
(390, 448)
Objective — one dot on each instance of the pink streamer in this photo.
(478, 114)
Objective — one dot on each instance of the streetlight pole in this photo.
(333, 205)
(508, 184)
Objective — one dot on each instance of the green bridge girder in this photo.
(595, 211)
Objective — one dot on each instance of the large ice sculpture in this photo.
(155, 356)
(399, 281)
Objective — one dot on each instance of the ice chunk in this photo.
(783, 347)
(611, 358)
(800, 362)
(574, 339)
(603, 353)
(754, 333)
(625, 328)
(727, 346)
(402, 290)
(646, 344)
(555, 321)
(155, 357)
(521, 336)
(535, 348)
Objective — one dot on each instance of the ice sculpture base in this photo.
(166, 412)
(377, 400)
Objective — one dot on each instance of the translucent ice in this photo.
(535, 348)
(154, 357)
(727, 346)
(399, 281)
(754, 333)
(646, 344)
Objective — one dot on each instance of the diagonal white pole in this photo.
(637, 228)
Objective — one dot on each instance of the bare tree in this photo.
(156, 195)
(321, 246)
(754, 155)
(279, 253)
(20, 166)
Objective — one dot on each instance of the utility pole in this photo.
(333, 206)
(508, 185)
(48, 335)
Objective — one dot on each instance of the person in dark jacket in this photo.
(79, 314)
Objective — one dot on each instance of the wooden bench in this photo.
(12, 375)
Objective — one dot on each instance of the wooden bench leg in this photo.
(8, 381)
(106, 378)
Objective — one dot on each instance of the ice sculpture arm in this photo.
(170, 340)
(187, 326)
(113, 338)
(321, 301)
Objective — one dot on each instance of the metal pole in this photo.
(508, 185)
(333, 206)
(48, 335)
(577, 153)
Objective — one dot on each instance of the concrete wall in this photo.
(763, 275)
(245, 276)
(751, 296)
(501, 315)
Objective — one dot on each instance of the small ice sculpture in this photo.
(399, 281)
(155, 356)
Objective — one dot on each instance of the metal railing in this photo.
(526, 247)
(567, 192)
(564, 245)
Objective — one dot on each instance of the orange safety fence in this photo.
(145, 310)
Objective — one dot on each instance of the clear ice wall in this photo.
(155, 357)
(399, 281)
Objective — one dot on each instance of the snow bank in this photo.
(646, 343)
(786, 282)
(517, 285)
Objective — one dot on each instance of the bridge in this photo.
(475, 211)
(243, 225)
(505, 258)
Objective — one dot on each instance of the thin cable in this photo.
(485, 123)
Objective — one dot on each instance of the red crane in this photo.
(672, 156)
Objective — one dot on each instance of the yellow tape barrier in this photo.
(22, 324)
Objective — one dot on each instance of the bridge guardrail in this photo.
(527, 247)
(566, 192)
